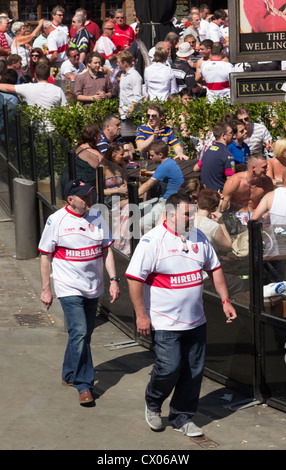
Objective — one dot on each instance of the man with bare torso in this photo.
(242, 191)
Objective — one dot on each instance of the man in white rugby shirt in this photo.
(166, 284)
(76, 245)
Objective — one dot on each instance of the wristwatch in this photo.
(115, 278)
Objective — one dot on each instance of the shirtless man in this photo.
(242, 192)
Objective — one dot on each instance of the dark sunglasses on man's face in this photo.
(152, 116)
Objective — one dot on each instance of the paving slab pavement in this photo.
(38, 413)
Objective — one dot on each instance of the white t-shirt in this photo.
(107, 48)
(68, 67)
(215, 33)
(160, 81)
(203, 29)
(57, 40)
(41, 94)
(216, 75)
(278, 208)
(77, 244)
(173, 278)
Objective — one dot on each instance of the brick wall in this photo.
(129, 9)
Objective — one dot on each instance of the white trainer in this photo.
(154, 419)
(190, 429)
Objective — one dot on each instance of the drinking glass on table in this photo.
(143, 167)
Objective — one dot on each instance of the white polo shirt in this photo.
(107, 48)
(173, 278)
(77, 243)
(215, 33)
(57, 40)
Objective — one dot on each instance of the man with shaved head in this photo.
(106, 47)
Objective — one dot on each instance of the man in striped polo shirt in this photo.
(153, 131)
(4, 47)
(258, 137)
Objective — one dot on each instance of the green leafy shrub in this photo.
(199, 117)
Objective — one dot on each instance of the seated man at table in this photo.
(171, 178)
(153, 132)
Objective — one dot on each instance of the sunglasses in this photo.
(246, 119)
(152, 116)
(111, 29)
(74, 55)
(35, 55)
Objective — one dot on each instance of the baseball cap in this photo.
(77, 188)
(184, 50)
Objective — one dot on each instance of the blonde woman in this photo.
(20, 44)
(277, 164)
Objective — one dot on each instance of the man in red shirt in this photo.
(91, 27)
(4, 47)
(123, 34)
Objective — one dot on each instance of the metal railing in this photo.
(249, 356)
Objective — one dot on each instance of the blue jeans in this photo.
(80, 314)
(179, 364)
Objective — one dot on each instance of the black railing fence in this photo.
(250, 354)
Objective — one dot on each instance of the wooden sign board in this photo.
(257, 30)
(257, 87)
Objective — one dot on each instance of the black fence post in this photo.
(256, 299)
(100, 190)
(133, 198)
(51, 170)
(6, 131)
(19, 143)
(32, 153)
(71, 166)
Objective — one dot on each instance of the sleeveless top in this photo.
(23, 52)
(278, 208)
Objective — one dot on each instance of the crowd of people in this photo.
(234, 173)
(100, 63)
